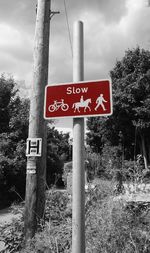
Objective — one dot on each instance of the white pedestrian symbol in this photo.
(56, 105)
(99, 101)
(82, 103)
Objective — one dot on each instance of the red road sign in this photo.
(82, 99)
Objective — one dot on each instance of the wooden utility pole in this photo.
(78, 184)
(36, 165)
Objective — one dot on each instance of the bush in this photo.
(51, 239)
(94, 167)
(56, 205)
(12, 234)
(114, 226)
(66, 170)
(106, 164)
(55, 235)
(111, 225)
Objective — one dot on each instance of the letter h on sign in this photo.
(34, 147)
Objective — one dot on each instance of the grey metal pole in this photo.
(36, 166)
(78, 184)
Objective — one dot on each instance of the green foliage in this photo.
(134, 171)
(94, 168)
(131, 106)
(19, 117)
(7, 91)
(13, 135)
(112, 225)
(13, 159)
(55, 235)
(106, 164)
(131, 86)
(58, 151)
(94, 136)
(14, 120)
(51, 240)
(12, 234)
(112, 160)
(66, 170)
(56, 205)
(58, 142)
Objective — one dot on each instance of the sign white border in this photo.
(80, 116)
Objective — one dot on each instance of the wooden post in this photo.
(36, 166)
(78, 184)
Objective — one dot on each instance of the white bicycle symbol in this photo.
(54, 107)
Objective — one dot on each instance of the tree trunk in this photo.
(148, 153)
(144, 151)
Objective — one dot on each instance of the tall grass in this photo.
(112, 226)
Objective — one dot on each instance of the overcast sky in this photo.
(110, 28)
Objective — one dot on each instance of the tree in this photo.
(14, 113)
(131, 88)
(14, 116)
(57, 153)
(12, 150)
(19, 117)
(131, 107)
(7, 91)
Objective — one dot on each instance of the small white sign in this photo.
(34, 147)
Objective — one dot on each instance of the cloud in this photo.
(136, 25)
(110, 27)
(60, 60)
(15, 43)
(110, 9)
(20, 14)
(105, 43)
(16, 53)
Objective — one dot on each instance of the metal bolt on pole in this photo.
(78, 184)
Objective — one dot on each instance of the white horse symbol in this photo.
(82, 103)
